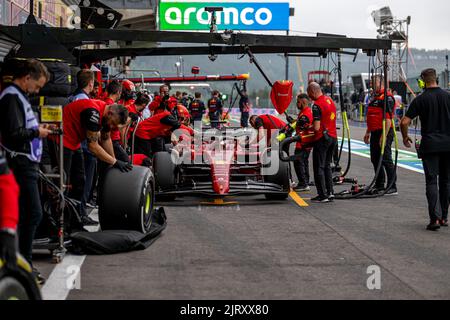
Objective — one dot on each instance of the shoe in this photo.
(443, 223)
(434, 226)
(392, 192)
(39, 278)
(86, 221)
(320, 199)
(302, 188)
(312, 184)
(331, 197)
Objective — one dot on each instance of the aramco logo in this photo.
(175, 15)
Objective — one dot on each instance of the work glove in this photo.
(8, 250)
(123, 166)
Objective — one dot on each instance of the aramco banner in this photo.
(236, 15)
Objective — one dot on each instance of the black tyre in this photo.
(126, 200)
(11, 289)
(164, 169)
(18, 284)
(281, 177)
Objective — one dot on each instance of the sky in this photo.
(429, 29)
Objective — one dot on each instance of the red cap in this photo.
(128, 85)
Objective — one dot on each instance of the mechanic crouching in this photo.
(324, 123)
(265, 124)
(152, 133)
(22, 139)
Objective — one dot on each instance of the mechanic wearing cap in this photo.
(265, 124)
(324, 123)
(90, 120)
(128, 93)
(215, 109)
(197, 108)
(433, 109)
(22, 139)
(152, 133)
(374, 137)
(303, 148)
(9, 214)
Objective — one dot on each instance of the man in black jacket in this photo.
(22, 139)
(433, 109)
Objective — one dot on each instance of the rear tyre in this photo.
(126, 200)
(164, 169)
(281, 177)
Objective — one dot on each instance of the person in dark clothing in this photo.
(324, 117)
(215, 109)
(433, 109)
(197, 108)
(22, 139)
(374, 137)
(245, 107)
(184, 99)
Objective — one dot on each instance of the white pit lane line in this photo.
(64, 276)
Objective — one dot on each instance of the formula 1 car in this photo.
(221, 163)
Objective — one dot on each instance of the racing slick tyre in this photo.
(18, 284)
(126, 200)
(281, 178)
(164, 169)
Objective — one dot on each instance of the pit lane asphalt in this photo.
(278, 250)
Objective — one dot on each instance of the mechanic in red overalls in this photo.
(135, 111)
(9, 214)
(163, 102)
(265, 124)
(324, 123)
(91, 120)
(152, 133)
(128, 93)
(303, 148)
(114, 92)
(374, 136)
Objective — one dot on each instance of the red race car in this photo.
(219, 163)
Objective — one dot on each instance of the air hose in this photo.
(364, 193)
